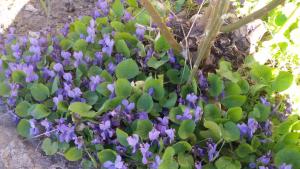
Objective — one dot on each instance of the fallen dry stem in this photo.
(255, 15)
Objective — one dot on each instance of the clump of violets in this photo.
(109, 90)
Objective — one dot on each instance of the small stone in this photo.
(30, 8)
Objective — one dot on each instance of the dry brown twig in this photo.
(162, 26)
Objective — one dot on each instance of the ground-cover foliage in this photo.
(110, 92)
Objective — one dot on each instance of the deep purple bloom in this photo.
(143, 115)
(264, 101)
(267, 128)
(133, 141)
(203, 83)
(151, 91)
(153, 134)
(252, 165)
(265, 159)
(66, 55)
(78, 56)
(243, 129)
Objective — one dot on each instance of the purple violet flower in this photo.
(127, 16)
(94, 81)
(186, 115)
(67, 77)
(117, 164)
(91, 32)
(192, 98)
(144, 148)
(264, 101)
(285, 166)
(128, 106)
(107, 44)
(153, 134)
(133, 141)
(58, 67)
(156, 162)
(140, 32)
(212, 151)
(198, 165)
(265, 159)
(33, 129)
(171, 134)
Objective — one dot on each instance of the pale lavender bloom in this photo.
(91, 32)
(285, 166)
(48, 73)
(252, 126)
(133, 141)
(111, 67)
(111, 87)
(153, 134)
(127, 16)
(199, 2)
(33, 129)
(66, 133)
(192, 98)
(78, 58)
(66, 55)
(65, 29)
(186, 115)
(198, 165)
(67, 77)
(212, 151)
(96, 13)
(128, 106)
(156, 162)
(198, 113)
(118, 164)
(263, 167)
(57, 99)
(98, 58)
(171, 134)
(103, 6)
(16, 51)
(58, 67)
(79, 142)
(47, 125)
(14, 89)
(107, 44)
(140, 32)
(144, 148)
(94, 81)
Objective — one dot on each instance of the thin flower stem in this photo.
(255, 15)
(162, 26)
(37, 136)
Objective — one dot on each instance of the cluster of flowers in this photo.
(73, 74)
